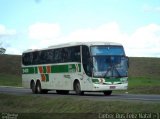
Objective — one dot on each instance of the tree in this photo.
(2, 51)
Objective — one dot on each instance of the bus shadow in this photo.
(86, 94)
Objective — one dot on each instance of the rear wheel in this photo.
(107, 93)
(38, 87)
(77, 88)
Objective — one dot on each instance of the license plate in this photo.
(112, 87)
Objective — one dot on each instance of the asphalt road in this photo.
(87, 95)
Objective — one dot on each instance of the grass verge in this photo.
(144, 85)
(10, 80)
(38, 104)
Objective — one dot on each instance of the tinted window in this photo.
(27, 58)
(87, 63)
(107, 50)
(61, 55)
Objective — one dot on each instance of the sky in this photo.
(36, 24)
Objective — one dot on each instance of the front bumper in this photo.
(103, 87)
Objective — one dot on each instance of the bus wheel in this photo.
(33, 87)
(38, 87)
(107, 93)
(77, 88)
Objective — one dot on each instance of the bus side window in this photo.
(73, 54)
(76, 54)
(41, 57)
(27, 58)
(50, 56)
(57, 56)
(24, 59)
(86, 60)
(64, 54)
(35, 58)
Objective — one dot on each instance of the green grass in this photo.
(10, 80)
(144, 85)
(10, 64)
(143, 81)
(38, 104)
(10, 70)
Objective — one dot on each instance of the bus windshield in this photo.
(107, 50)
(109, 61)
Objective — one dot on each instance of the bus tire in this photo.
(38, 87)
(107, 93)
(33, 87)
(77, 88)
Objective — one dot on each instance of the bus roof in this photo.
(75, 44)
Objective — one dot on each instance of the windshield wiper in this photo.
(112, 68)
(117, 71)
(106, 73)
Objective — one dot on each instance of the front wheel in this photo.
(107, 93)
(77, 89)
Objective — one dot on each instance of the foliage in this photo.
(2, 50)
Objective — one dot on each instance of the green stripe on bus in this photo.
(44, 69)
(28, 70)
(95, 80)
(107, 80)
(112, 80)
(69, 68)
(79, 65)
(47, 77)
(36, 69)
(59, 69)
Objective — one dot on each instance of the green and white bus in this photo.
(79, 67)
